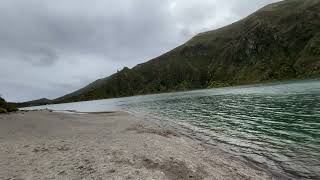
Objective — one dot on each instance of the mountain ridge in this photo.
(277, 42)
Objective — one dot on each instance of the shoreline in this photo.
(245, 85)
(108, 145)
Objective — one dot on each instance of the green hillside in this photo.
(278, 42)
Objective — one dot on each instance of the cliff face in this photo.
(280, 41)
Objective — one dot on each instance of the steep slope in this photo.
(280, 41)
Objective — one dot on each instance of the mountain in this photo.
(37, 102)
(278, 42)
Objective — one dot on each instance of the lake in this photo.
(273, 125)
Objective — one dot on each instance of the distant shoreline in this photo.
(46, 144)
(269, 82)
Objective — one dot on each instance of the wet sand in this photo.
(118, 145)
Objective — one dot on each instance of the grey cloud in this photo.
(78, 30)
(42, 56)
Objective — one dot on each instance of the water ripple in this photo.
(276, 126)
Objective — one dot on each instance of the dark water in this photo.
(276, 126)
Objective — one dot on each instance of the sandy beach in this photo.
(118, 145)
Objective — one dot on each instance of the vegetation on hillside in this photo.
(37, 102)
(6, 107)
(280, 41)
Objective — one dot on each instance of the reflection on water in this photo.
(275, 125)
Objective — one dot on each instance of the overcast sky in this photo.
(49, 48)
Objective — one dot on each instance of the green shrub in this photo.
(217, 84)
(2, 102)
(2, 110)
(11, 108)
(7, 107)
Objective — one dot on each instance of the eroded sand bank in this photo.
(51, 145)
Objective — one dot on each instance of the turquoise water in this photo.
(275, 126)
